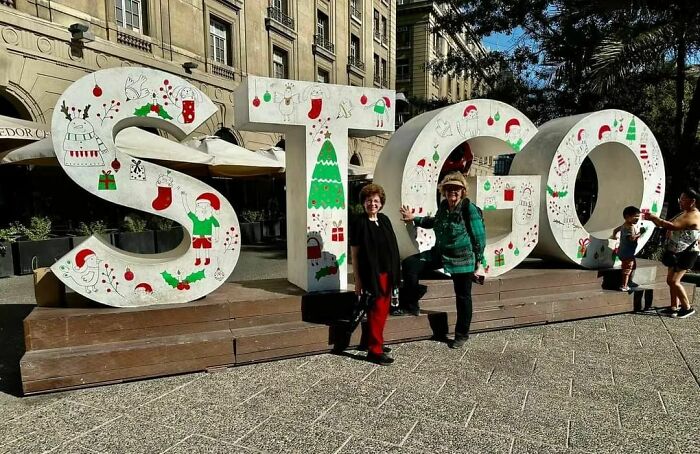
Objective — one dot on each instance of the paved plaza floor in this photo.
(626, 383)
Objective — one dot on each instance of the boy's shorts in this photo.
(628, 265)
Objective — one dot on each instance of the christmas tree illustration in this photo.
(631, 131)
(326, 186)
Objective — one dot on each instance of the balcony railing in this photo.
(278, 15)
(133, 41)
(356, 13)
(325, 43)
(356, 62)
(225, 72)
(377, 79)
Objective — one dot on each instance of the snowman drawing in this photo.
(82, 147)
(524, 211)
(581, 148)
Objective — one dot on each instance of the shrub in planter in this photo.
(251, 226)
(97, 228)
(168, 234)
(7, 237)
(35, 248)
(136, 238)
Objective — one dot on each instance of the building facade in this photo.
(416, 46)
(45, 45)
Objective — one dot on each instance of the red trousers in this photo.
(376, 317)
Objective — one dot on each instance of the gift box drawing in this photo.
(508, 193)
(338, 231)
(499, 257)
(582, 247)
(107, 181)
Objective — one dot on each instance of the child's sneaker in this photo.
(683, 313)
(670, 311)
(624, 289)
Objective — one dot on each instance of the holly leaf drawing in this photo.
(164, 115)
(331, 269)
(194, 277)
(170, 279)
(563, 193)
(143, 111)
(550, 191)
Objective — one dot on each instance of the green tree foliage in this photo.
(578, 56)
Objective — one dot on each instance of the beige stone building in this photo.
(416, 46)
(45, 45)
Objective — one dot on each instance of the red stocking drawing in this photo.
(316, 105)
(165, 193)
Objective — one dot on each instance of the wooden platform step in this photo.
(259, 321)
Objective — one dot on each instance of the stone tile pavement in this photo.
(619, 384)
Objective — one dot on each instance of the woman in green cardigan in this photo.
(460, 238)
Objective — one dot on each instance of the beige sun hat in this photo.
(453, 179)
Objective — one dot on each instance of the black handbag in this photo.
(362, 306)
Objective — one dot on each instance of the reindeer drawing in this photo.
(287, 101)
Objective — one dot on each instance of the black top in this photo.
(378, 251)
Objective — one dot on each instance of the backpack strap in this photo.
(466, 217)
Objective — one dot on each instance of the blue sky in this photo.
(503, 42)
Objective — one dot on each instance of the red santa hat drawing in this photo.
(603, 129)
(143, 287)
(82, 256)
(387, 101)
(512, 123)
(211, 199)
(469, 109)
(579, 135)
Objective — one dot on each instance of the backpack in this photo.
(466, 218)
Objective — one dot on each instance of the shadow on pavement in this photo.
(12, 346)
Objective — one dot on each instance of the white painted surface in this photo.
(86, 119)
(630, 171)
(316, 120)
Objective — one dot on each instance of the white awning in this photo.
(230, 160)
(16, 129)
(129, 140)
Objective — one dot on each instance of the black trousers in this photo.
(411, 292)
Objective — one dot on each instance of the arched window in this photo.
(228, 135)
(356, 159)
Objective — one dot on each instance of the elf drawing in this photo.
(83, 148)
(86, 272)
(381, 110)
(205, 226)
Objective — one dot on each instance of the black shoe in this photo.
(396, 312)
(414, 312)
(631, 284)
(363, 348)
(382, 360)
(459, 342)
(684, 313)
(670, 311)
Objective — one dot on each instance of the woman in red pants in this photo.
(375, 263)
